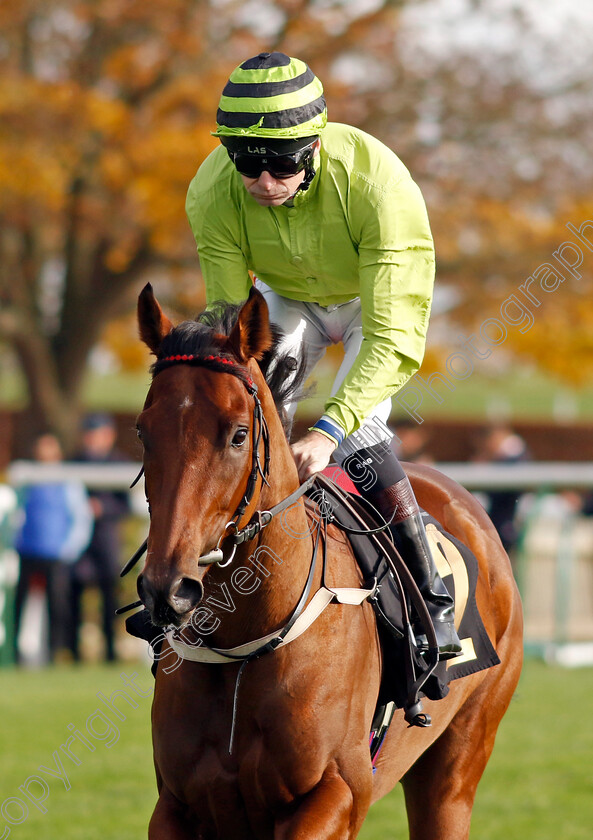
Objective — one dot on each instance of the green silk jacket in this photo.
(359, 230)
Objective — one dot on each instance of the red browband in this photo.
(189, 357)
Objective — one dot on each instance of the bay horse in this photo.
(285, 755)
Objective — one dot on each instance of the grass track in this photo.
(538, 785)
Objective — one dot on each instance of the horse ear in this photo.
(153, 324)
(252, 335)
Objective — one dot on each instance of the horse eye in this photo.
(239, 438)
(142, 438)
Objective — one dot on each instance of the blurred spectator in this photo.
(411, 442)
(501, 445)
(56, 528)
(100, 563)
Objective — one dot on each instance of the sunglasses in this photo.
(279, 166)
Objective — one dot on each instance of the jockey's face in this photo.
(271, 192)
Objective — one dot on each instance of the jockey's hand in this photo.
(312, 453)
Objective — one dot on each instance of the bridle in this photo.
(259, 433)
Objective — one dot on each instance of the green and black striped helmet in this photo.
(271, 96)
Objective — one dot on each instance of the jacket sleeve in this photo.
(215, 226)
(396, 274)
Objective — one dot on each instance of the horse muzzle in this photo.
(170, 604)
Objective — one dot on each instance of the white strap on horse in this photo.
(322, 598)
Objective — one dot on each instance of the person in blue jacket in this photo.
(99, 564)
(56, 528)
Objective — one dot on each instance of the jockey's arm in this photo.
(396, 275)
(222, 261)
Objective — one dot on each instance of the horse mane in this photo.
(203, 337)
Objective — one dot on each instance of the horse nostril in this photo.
(187, 595)
(143, 591)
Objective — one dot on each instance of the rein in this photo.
(259, 521)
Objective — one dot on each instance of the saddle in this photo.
(408, 676)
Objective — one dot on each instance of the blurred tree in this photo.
(106, 108)
(489, 104)
(102, 127)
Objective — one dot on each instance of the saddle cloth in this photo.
(459, 569)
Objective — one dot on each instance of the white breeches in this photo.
(313, 328)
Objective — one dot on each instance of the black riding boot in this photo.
(409, 533)
(411, 536)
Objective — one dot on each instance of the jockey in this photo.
(336, 233)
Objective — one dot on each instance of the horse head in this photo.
(202, 439)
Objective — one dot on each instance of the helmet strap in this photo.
(309, 175)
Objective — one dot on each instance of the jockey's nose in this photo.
(266, 180)
(167, 604)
